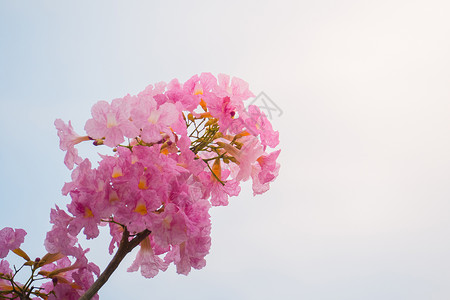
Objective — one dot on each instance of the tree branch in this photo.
(125, 247)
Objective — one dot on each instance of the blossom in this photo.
(58, 238)
(5, 271)
(68, 138)
(200, 87)
(150, 91)
(152, 120)
(265, 171)
(245, 157)
(5, 285)
(147, 261)
(171, 226)
(190, 254)
(70, 280)
(111, 122)
(64, 291)
(10, 239)
(218, 186)
(88, 191)
(224, 110)
(176, 94)
(257, 123)
(116, 232)
(83, 270)
(237, 89)
(4, 267)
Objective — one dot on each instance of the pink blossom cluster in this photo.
(69, 279)
(178, 149)
(66, 280)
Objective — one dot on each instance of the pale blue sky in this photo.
(362, 204)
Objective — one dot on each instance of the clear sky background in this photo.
(362, 204)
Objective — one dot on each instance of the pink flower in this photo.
(64, 266)
(199, 219)
(70, 280)
(224, 100)
(187, 158)
(78, 274)
(265, 172)
(219, 192)
(245, 157)
(10, 239)
(111, 121)
(152, 120)
(190, 254)
(237, 89)
(201, 89)
(147, 261)
(176, 94)
(224, 110)
(257, 123)
(207, 82)
(58, 238)
(68, 138)
(85, 213)
(170, 227)
(269, 166)
(89, 193)
(151, 91)
(4, 267)
(116, 232)
(64, 291)
(83, 272)
(228, 102)
(5, 285)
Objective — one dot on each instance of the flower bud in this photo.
(98, 142)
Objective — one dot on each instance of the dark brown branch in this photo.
(125, 247)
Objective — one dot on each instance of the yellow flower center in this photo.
(117, 172)
(142, 184)
(141, 208)
(88, 213)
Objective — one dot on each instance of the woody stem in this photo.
(125, 247)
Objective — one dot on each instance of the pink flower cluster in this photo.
(178, 148)
(10, 240)
(68, 280)
(187, 146)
